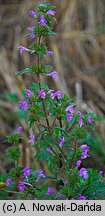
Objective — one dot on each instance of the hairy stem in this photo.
(49, 146)
(44, 109)
(47, 142)
(39, 84)
(39, 120)
(55, 119)
(59, 148)
(75, 145)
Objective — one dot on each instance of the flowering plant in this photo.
(58, 131)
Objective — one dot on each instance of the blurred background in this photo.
(79, 58)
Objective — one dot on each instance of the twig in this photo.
(50, 146)
(15, 192)
(55, 119)
(59, 148)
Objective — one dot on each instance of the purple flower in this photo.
(70, 109)
(22, 48)
(32, 138)
(8, 182)
(49, 53)
(48, 150)
(83, 173)
(51, 12)
(31, 29)
(32, 13)
(81, 123)
(19, 130)
(42, 94)
(78, 163)
(40, 175)
(84, 155)
(24, 105)
(49, 191)
(85, 148)
(67, 182)
(61, 196)
(28, 94)
(80, 197)
(62, 140)
(58, 95)
(69, 117)
(79, 114)
(26, 172)
(89, 120)
(53, 75)
(72, 174)
(21, 186)
(100, 172)
(50, 92)
(32, 36)
(42, 21)
(67, 198)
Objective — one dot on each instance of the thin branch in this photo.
(55, 119)
(59, 148)
(75, 145)
(44, 109)
(39, 120)
(38, 76)
(50, 146)
(15, 192)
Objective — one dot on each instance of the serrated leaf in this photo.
(45, 87)
(34, 86)
(41, 115)
(48, 69)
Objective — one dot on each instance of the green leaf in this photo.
(27, 70)
(43, 86)
(42, 7)
(51, 33)
(31, 120)
(70, 155)
(13, 153)
(45, 7)
(15, 172)
(34, 86)
(41, 31)
(48, 69)
(22, 114)
(13, 138)
(41, 114)
(39, 49)
(70, 137)
(80, 133)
